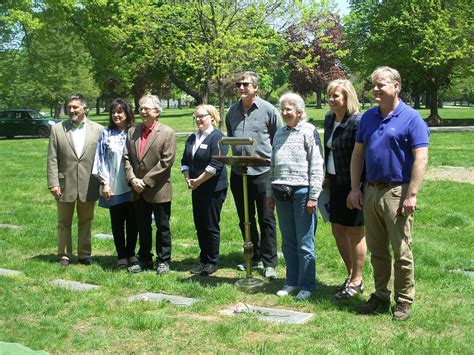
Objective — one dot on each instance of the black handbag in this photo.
(282, 193)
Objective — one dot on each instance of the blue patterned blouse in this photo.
(108, 166)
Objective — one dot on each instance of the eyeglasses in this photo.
(245, 85)
(200, 116)
(147, 109)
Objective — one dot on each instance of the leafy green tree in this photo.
(425, 40)
(46, 62)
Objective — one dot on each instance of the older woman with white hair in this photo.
(296, 176)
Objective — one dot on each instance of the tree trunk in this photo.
(318, 99)
(433, 118)
(182, 86)
(136, 102)
(97, 106)
(416, 101)
(221, 94)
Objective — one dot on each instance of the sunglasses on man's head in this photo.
(245, 85)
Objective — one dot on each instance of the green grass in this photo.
(42, 316)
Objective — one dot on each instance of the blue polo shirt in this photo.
(388, 142)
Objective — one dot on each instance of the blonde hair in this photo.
(211, 110)
(387, 73)
(352, 103)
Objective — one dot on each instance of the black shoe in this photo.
(146, 265)
(209, 269)
(85, 261)
(374, 305)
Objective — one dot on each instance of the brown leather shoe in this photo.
(402, 311)
(374, 305)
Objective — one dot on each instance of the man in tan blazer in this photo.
(71, 154)
(149, 155)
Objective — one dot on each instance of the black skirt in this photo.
(339, 213)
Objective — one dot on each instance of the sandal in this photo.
(349, 291)
(343, 286)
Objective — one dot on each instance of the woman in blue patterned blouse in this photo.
(114, 192)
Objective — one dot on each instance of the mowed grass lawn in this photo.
(39, 315)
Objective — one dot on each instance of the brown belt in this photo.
(384, 185)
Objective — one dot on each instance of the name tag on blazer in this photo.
(203, 146)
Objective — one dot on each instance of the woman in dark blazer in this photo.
(207, 178)
(340, 126)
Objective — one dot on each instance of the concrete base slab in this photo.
(159, 297)
(465, 272)
(16, 348)
(74, 285)
(9, 226)
(104, 236)
(269, 314)
(8, 272)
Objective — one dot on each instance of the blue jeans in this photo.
(297, 228)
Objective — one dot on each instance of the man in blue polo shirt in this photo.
(393, 141)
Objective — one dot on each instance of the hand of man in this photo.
(408, 206)
(55, 191)
(138, 185)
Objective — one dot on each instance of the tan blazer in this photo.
(155, 166)
(71, 172)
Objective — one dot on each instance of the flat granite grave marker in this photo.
(159, 297)
(104, 236)
(465, 272)
(74, 285)
(10, 226)
(269, 314)
(8, 272)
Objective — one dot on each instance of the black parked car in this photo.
(25, 123)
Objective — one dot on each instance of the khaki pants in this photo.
(385, 228)
(85, 215)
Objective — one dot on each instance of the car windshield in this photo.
(36, 115)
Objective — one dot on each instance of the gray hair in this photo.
(296, 101)
(78, 97)
(249, 74)
(387, 73)
(155, 101)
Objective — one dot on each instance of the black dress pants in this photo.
(265, 245)
(124, 229)
(207, 208)
(162, 212)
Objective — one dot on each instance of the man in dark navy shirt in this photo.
(393, 140)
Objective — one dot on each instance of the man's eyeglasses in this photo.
(146, 109)
(245, 85)
(200, 116)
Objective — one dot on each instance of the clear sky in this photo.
(343, 6)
